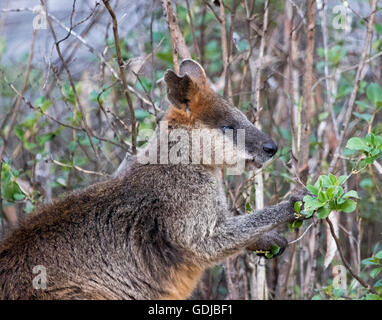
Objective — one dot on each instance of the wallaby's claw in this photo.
(298, 195)
(263, 246)
(299, 216)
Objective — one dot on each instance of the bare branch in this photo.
(122, 75)
(177, 39)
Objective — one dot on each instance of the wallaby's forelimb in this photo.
(235, 233)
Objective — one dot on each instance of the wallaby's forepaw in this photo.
(270, 245)
(298, 195)
(295, 197)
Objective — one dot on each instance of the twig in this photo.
(307, 110)
(303, 234)
(194, 39)
(178, 44)
(206, 2)
(123, 76)
(225, 53)
(71, 23)
(347, 266)
(156, 110)
(79, 168)
(329, 100)
(299, 11)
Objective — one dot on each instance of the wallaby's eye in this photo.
(224, 128)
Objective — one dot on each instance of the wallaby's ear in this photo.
(182, 88)
(178, 88)
(194, 70)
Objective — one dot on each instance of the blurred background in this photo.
(295, 68)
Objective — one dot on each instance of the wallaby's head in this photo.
(195, 105)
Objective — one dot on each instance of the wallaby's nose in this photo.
(270, 148)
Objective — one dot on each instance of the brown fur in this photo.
(183, 282)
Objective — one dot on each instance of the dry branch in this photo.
(354, 275)
(177, 39)
(122, 76)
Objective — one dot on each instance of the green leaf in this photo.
(312, 189)
(351, 194)
(326, 183)
(364, 116)
(338, 192)
(375, 272)
(378, 28)
(372, 296)
(332, 179)
(356, 143)
(321, 197)
(338, 293)
(342, 179)
(43, 103)
(275, 249)
(311, 203)
(348, 206)
(18, 196)
(363, 105)
(10, 190)
(336, 54)
(374, 93)
(307, 213)
(41, 139)
(370, 261)
(323, 212)
(379, 255)
(330, 191)
(141, 114)
(366, 183)
(296, 224)
(321, 52)
(29, 207)
(19, 132)
(323, 115)
(29, 122)
(297, 207)
(323, 181)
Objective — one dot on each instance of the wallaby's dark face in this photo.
(198, 105)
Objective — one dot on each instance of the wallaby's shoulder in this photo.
(137, 188)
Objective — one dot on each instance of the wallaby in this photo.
(150, 232)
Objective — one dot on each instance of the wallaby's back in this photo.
(111, 240)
